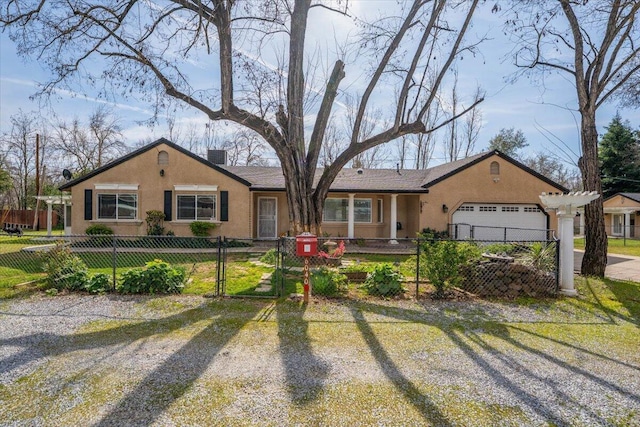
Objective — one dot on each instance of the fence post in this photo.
(218, 257)
(557, 266)
(114, 260)
(417, 267)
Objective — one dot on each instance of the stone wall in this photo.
(500, 278)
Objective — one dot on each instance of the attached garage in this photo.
(501, 222)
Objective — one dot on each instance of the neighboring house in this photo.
(488, 189)
(620, 212)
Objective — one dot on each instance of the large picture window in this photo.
(196, 207)
(337, 210)
(117, 206)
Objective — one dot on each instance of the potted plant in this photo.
(334, 256)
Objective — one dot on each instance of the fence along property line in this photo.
(231, 267)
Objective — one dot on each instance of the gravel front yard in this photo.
(180, 360)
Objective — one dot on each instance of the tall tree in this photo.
(554, 169)
(460, 138)
(91, 144)
(509, 141)
(619, 155)
(146, 47)
(20, 145)
(596, 44)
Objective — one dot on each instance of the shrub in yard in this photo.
(156, 277)
(155, 223)
(441, 262)
(431, 234)
(541, 256)
(202, 228)
(328, 282)
(99, 283)
(384, 280)
(270, 257)
(98, 230)
(64, 270)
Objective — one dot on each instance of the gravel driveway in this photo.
(112, 360)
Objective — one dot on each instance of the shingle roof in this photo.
(633, 196)
(348, 180)
(370, 180)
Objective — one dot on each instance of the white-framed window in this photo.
(337, 210)
(196, 207)
(531, 210)
(466, 208)
(117, 206)
(380, 211)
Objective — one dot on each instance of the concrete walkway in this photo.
(620, 267)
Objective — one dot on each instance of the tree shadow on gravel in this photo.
(305, 373)
(417, 398)
(497, 364)
(167, 382)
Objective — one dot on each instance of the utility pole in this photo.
(36, 217)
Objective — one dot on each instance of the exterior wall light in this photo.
(445, 208)
(161, 172)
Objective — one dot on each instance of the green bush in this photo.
(156, 277)
(98, 230)
(499, 248)
(64, 270)
(384, 280)
(202, 228)
(441, 263)
(99, 283)
(155, 223)
(431, 234)
(270, 257)
(328, 282)
(541, 256)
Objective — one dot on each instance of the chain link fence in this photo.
(483, 233)
(419, 268)
(346, 268)
(23, 258)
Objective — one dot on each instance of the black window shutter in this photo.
(224, 206)
(168, 203)
(88, 205)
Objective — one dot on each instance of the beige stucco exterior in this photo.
(143, 170)
(149, 178)
(621, 205)
(476, 184)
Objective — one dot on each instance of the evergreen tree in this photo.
(619, 155)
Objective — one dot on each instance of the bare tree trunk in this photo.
(595, 255)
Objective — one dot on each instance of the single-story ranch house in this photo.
(488, 189)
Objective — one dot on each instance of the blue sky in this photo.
(533, 108)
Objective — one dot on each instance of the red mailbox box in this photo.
(306, 245)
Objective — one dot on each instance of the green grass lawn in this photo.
(616, 246)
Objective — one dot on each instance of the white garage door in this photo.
(499, 222)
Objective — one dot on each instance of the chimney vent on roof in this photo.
(217, 157)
